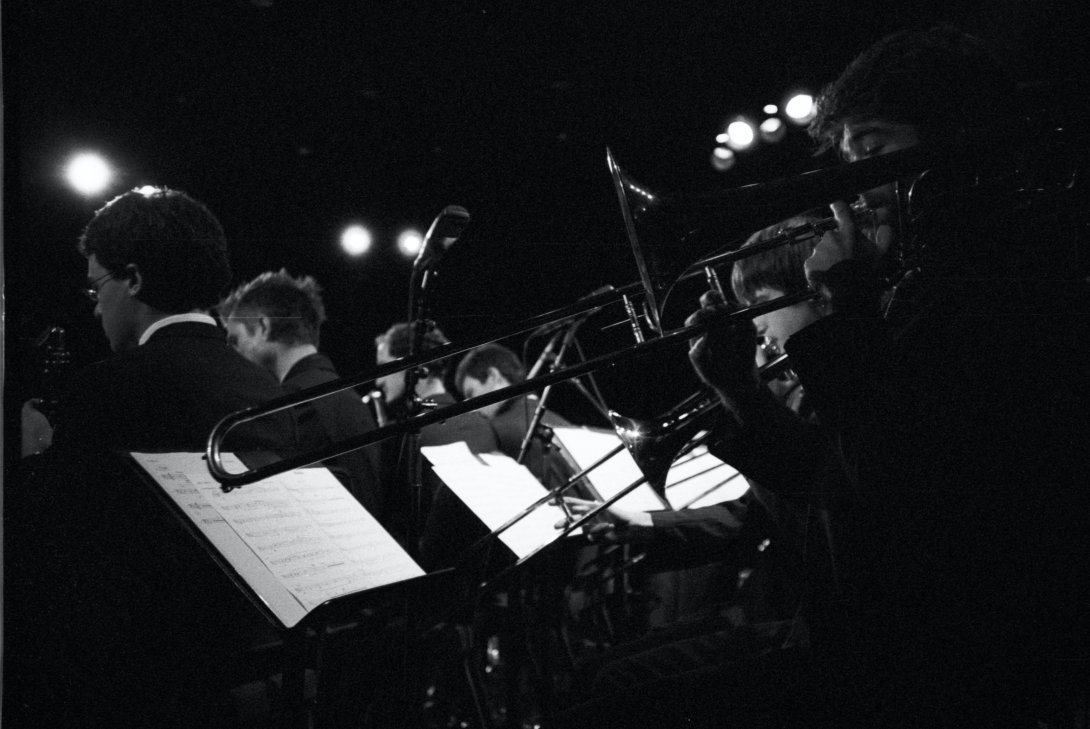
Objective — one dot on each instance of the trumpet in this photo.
(661, 260)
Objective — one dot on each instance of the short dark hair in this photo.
(175, 241)
(398, 340)
(939, 80)
(293, 305)
(477, 363)
(779, 268)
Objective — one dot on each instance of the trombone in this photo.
(665, 232)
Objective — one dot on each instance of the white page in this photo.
(584, 446)
(700, 479)
(297, 538)
(495, 488)
(696, 479)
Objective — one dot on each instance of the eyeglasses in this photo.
(91, 292)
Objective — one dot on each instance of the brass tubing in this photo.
(230, 481)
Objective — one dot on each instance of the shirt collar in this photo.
(194, 316)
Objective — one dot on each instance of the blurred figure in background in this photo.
(471, 428)
(275, 321)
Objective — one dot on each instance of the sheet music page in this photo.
(297, 538)
(700, 479)
(696, 479)
(587, 445)
(495, 488)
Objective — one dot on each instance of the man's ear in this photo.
(135, 279)
(262, 325)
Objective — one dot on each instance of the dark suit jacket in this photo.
(114, 612)
(510, 424)
(167, 395)
(334, 418)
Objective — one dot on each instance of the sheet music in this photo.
(586, 445)
(696, 479)
(700, 479)
(297, 538)
(495, 488)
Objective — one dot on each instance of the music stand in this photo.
(298, 546)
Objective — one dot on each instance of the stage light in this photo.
(740, 134)
(356, 240)
(771, 109)
(89, 174)
(800, 108)
(773, 129)
(723, 159)
(409, 242)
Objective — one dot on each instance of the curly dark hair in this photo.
(175, 242)
(293, 306)
(940, 80)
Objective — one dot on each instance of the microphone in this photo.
(554, 326)
(444, 231)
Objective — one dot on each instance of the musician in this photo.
(492, 367)
(526, 615)
(959, 480)
(275, 321)
(441, 539)
(780, 544)
(103, 586)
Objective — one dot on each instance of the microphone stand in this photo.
(535, 428)
(419, 324)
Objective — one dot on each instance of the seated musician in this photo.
(756, 532)
(942, 422)
(111, 620)
(492, 367)
(275, 321)
(441, 539)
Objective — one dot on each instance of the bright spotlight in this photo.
(740, 134)
(409, 242)
(356, 240)
(800, 108)
(771, 109)
(773, 129)
(723, 159)
(88, 173)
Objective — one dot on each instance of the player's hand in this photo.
(37, 432)
(724, 356)
(618, 523)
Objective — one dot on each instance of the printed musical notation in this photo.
(298, 539)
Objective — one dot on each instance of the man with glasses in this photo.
(105, 624)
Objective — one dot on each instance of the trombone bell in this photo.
(655, 444)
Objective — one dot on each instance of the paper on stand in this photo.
(297, 538)
(700, 479)
(496, 488)
(696, 479)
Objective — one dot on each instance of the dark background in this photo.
(291, 118)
